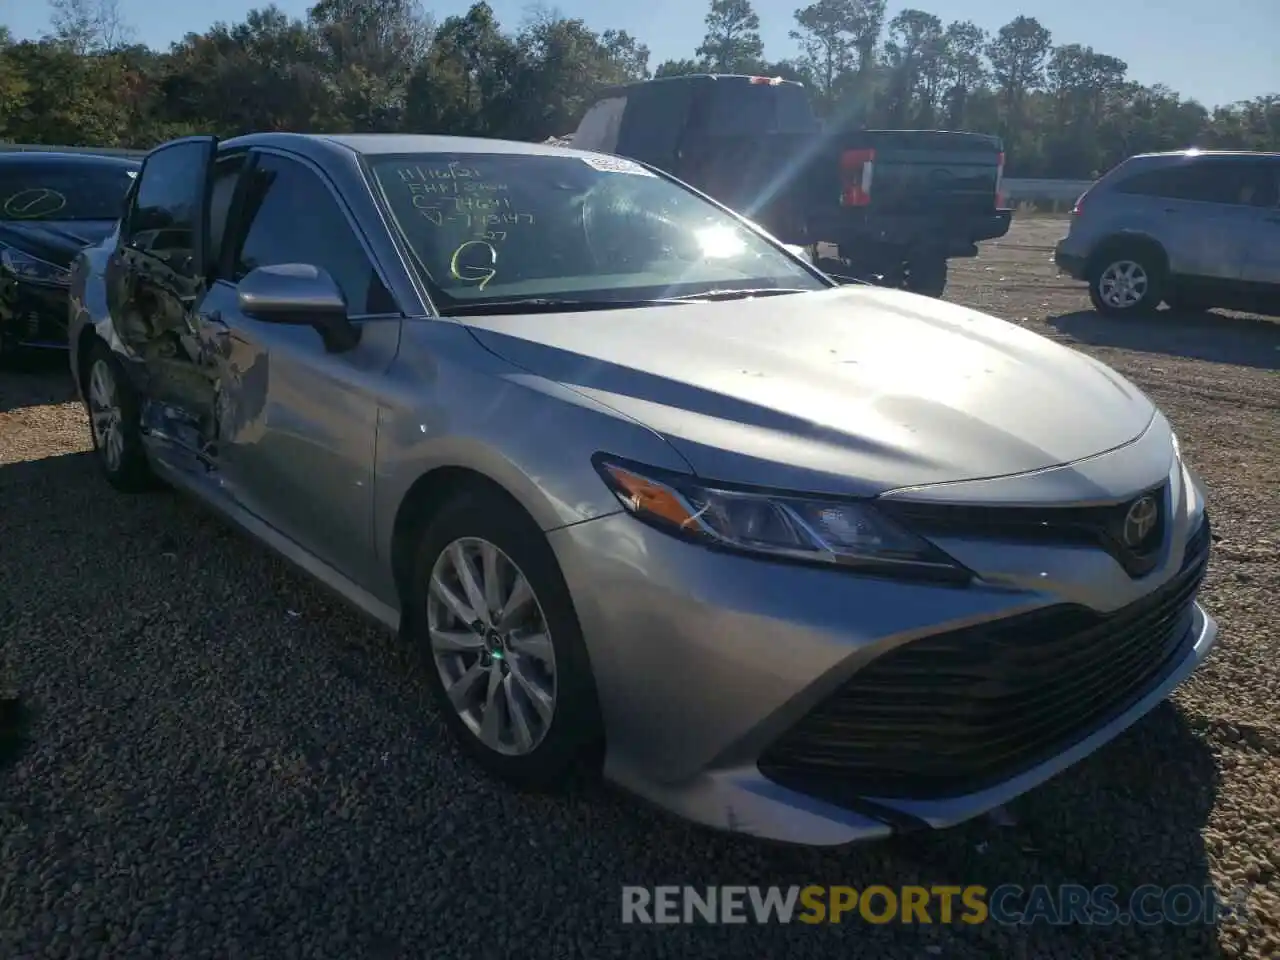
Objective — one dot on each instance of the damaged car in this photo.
(52, 205)
(650, 493)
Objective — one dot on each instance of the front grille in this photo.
(1101, 526)
(954, 713)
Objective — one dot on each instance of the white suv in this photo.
(1194, 229)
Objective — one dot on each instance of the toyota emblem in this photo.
(1140, 521)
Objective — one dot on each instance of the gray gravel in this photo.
(226, 762)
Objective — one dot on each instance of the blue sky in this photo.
(1217, 52)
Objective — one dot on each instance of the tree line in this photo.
(1064, 110)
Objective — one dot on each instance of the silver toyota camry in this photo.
(805, 561)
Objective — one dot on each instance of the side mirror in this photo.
(299, 294)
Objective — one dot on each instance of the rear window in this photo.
(739, 107)
(66, 191)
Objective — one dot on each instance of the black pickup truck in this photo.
(895, 204)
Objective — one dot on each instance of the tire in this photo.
(1127, 281)
(113, 407)
(505, 669)
(927, 277)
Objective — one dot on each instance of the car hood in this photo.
(54, 241)
(854, 390)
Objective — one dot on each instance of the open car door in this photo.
(156, 279)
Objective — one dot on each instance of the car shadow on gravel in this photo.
(35, 380)
(1129, 816)
(223, 706)
(1217, 338)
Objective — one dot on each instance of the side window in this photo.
(598, 130)
(1206, 181)
(129, 196)
(165, 213)
(1260, 184)
(653, 123)
(226, 174)
(289, 215)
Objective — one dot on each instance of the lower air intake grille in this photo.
(954, 713)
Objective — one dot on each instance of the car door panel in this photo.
(1262, 265)
(297, 428)
(1206, 240)
(1262, 256)
(155, 284)
(1192, 208)
(296, 423)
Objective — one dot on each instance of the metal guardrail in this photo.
(54, 148)
(1054, 191)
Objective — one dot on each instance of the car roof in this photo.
(656, 83)
(386, 144)
(37, 157)
(1191, 152)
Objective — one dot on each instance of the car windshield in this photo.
(63, 191)
(587, 227)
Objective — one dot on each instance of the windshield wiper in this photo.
(547, 305)
(568, 305)
(733, 294)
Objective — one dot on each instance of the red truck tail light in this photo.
(856, 169)
(1000, 181)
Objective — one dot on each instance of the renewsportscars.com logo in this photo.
(1008, 904)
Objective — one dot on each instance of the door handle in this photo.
(1273, 219)
(1170, 209)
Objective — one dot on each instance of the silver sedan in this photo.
(806, 561)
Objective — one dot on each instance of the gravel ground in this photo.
(225, 762)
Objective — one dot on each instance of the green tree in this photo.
(89, 26)
(1017, 55)
(964, 69)
(834, 37)
(732, 43)
(1065, 111)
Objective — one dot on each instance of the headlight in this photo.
(1192, 483)
(26, 267)
(778, 525)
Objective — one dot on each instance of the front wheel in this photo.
(507, 660)
(113, 409)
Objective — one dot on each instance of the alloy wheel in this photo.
(491, 645)
(1123, 284)
(105, 416)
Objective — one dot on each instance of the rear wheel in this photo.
(927, 277)
(113, 408)
(1127, 281)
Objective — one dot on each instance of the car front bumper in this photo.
(704, 660)
(33, 314)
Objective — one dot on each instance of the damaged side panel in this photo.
(155, 288)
